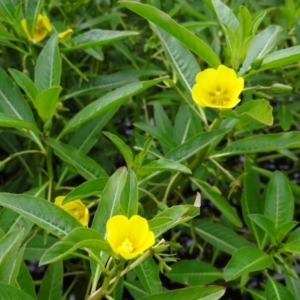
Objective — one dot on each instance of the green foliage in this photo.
(105, 117)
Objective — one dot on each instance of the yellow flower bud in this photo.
(75, 208)
(41, 29)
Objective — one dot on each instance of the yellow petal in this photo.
(85, 219)
(198, 95)
(125, 254)
(226, 77)
(58, 200)
(149, 242)
(24, 26)
(236, 88)
(207, 79)
(117, 231)
(138, 230)
(46, 22)
(65, 34)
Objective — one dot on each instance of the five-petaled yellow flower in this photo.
(219, 88)
(129, 237)
(41, 29)
(75, 208)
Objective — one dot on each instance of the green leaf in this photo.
(161, 119)
(46, 102)
(130, 197)
(292, 247)
(48, 66)
(7, 11)
(293, 285)
(11, 100)
(225, 15)
(77, 239)
(245, 260)
(12, 293)
(163, 165)
(284, 229)
(32, 10)
(88, 134)
(191, 272)
(37, 246)
(191, 293)
(25, 281)
(262, 143)
(253, 110)
(180, 58)
(43, 213)
(251, 203)
(52, 285)
(123, 148)
(135, 288)
(194, 144)
(182, 124)
(98, 37)
(265, 224)
(257, 294)
(25, 83)
(219, 202)
(108, 101)
(280, 58)
(276, 291)
(220, 236)
(165, 139)
(165, 22)
(84, 165)
(140, 157)
(279, 200)
(261, 45)
(87, 189)
(7, 120)
(110, 200)
(9, 247)
(171, 217)
(148, 274)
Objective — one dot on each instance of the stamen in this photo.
(127, 245)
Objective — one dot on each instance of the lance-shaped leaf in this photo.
(7, 120)
(87, 189)
(84, 165)
(191, 293)
(163, 165)
(130, 196)
(279, 200)
(193, 272)
(97, 37)
(41, 212)
(277, 291)
(7, 11)
(219, 202)
(25, 281)
(48, 66)
(262, 143)
(13, 293)
(171, 217)
(220, 236)
(165, 22)
(246, 260)
(194, 144)
(108, 101)
(52, 284)
(110, 201)
(123, 148)
(78, 238)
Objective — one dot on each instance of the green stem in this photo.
(12, 156)
(50, 171)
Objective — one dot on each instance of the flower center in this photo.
(219, 97)
(127, 245)
(78, 212)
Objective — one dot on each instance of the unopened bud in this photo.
(257, 63)
(278, 88)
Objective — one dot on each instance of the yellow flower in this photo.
(217, 88)
(75, 208)
(65, 34)
(129, 238)
(41, 29)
